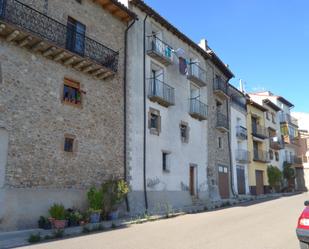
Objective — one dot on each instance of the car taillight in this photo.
(303, 222)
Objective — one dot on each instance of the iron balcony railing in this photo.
(197, 74)
(287, 118)
(161, 92)
(22, 16)
(294, 160)
(241, 132)
(242, 156)
(261, 156)
(276, 143)
(198, 109)
(260, 131)
(158, 47)
(221, 85)
(222, 121)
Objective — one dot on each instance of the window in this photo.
(220, 142)
(75, 40)
(154, 121)
(277, 156)
(69, 143)
(71, 92)
(184, 132)
(267, 115)
(271, 155)
(273, 118)
(165, 161)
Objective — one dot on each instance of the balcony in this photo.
(161, 93)
(159, 50)
(241, 133)
(276, 143)
(260, 131)
(222, 122)
(288, 119)
(294, 160)
(289, 139)
(243, 156)
(261, 156)
(197, 74)
(198, 109)
(27, 27)
(221, 87)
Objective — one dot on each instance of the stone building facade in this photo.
(61, 104)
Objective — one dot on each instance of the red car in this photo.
(302, 229)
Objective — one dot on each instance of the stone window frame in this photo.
(73, 84)
(167, 168)
(157, 130)
(69, 136)
(187, 135)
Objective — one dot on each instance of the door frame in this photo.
(193, 189)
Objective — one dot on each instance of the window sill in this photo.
(154, 132)
(69, 103)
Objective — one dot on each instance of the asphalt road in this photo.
(266, 225)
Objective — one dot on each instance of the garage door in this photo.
(223, 182)
(259, 182)
(241, 185)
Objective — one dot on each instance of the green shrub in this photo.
(274, 177)
(288, 171)
(57, 211)
(35, 238)
(95, 199)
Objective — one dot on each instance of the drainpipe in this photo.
(144, 84)
(125, 107)
(230, 150)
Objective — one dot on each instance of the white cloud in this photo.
(303, 120)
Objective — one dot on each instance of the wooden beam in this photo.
(103, 75)
(37, 46)
(49, 51)
(97, 72)
(59, 56)
(25, 41)
(12, 36)
(87, 69)
(80, 64)
(70, 61)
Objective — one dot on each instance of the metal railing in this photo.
(261, 156)
(294, 159)
(243, 156)
(241, 132)
(260, 131)
(154, 44)
(287, 118)
(222, 121)
(220, 85)
(198, 108)
(162, 91)
(47, 28)
(197, 72)
(276, 143)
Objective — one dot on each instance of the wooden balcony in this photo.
(26, 27)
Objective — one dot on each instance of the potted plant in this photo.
(44, 223)
(57, 213)
(114, 192)
(74, 218)
(95, 199)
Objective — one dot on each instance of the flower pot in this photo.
(95, 217)
(59, 224)
(113, 215)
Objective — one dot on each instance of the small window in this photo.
(154, 121)
(220, 143)
(165, 161)
(277, 156)
(271, 155)
(273, 118)
(184, 132)
(71, 93)
(68, 144)
(267, 115)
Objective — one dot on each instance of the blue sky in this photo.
(265, 42)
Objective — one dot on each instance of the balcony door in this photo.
(256, 149)
(254, 125)
(157, 77)
(75, 36)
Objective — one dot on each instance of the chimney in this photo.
(241, 86)
(203, 44)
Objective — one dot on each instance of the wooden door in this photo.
(259, 182)
(241, 185)
(192, 180)
(223, 182)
